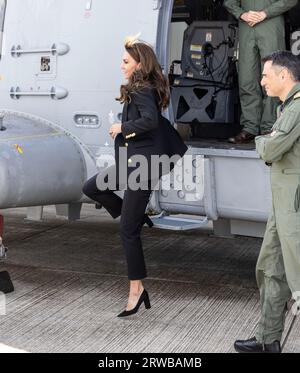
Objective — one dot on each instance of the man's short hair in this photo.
(287, 60)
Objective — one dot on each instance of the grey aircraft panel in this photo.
(60, 63)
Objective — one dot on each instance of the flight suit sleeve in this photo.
(234, 7)
(279, 7)
(272, 147)
(147, 107)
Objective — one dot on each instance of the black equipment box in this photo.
(207, 48)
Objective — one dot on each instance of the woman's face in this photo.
(129, 65)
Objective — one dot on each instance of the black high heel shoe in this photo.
(144, 297)
(147, 221)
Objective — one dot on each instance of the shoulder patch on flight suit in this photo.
(297, 95)
(289, 120)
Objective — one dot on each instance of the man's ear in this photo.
(285, 74)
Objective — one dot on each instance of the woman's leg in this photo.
(108, 199)
(132, 216)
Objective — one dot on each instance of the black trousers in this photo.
(131, 209)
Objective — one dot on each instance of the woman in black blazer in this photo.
(144, 132)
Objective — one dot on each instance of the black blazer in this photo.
(146, 132)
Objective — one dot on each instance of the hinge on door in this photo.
(157, 4)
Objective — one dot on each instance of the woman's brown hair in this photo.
(149, 75)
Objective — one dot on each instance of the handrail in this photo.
(60, 49)
(57, 93)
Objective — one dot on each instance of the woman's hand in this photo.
(115, 129)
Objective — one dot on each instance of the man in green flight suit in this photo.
(261, 32)
(278, 265)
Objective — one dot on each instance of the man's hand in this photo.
(115, 129)
(253, 18)
(247, 17)
(258, 17)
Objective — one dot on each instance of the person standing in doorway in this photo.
(261, 32)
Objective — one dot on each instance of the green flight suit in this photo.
(278, 265)
(258, 111)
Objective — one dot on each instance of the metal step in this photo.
(178, 224)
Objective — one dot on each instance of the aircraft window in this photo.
(2, 17)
